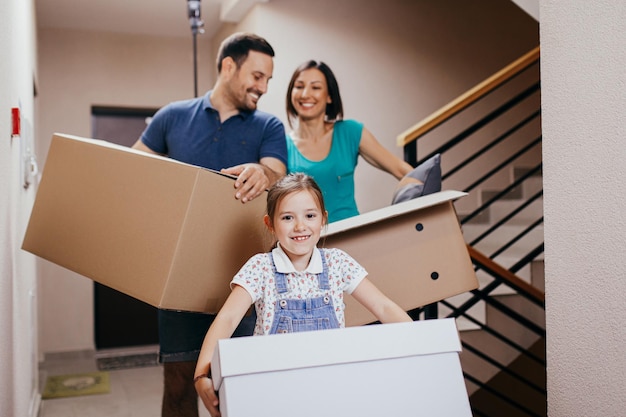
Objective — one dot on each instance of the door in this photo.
(120, 320)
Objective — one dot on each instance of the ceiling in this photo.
(148, 17)
(155, 17)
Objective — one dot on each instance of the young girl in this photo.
(296, 287)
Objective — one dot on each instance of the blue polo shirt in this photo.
(190, 131)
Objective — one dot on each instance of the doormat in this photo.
(127, 361)
(62, 386)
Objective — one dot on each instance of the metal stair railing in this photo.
(505, 342)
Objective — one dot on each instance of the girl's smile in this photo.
(297, 225)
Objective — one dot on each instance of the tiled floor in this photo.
(135, 392)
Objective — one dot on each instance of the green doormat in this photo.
(61, 386)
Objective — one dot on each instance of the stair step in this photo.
(478, 311)
(526, 189)
(532, 185)
(510, 201)
(532, 400)
(500, 237)
(528, 215)
(519, 172)
(504, 234)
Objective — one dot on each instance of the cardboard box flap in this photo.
(100, 143)
(392, 211)
(257, 354)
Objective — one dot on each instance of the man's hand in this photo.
(204, 387)
(252, 180)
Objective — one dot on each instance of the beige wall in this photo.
(396, 62)
(79, 70)
(584, 103)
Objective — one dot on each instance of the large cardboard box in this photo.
(400, 370)
(167, 233)
(172, 235)
(413, 251)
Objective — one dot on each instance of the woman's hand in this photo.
(206, 392)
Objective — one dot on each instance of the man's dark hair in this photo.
(238, 45)
(334, 109)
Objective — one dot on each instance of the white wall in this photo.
(584, 103)
(18, 339)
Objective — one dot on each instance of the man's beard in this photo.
(248, 105)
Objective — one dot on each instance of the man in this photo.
(221, 131)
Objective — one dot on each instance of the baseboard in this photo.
(35, 405)
(125, 351)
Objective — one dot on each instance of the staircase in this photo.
(491, 149)
(526, 202)
(507, 376)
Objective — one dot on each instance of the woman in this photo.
(327, 147)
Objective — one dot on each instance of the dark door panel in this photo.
(120, 320)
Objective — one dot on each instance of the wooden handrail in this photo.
(506, 275)
(468, 97)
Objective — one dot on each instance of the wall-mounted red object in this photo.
(15, 116)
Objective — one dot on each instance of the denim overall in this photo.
(295, 315)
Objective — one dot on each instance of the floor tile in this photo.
(135, 392)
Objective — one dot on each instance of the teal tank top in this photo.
(335, 173)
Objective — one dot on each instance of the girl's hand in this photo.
(204, 387)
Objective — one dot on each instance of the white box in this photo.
(400, 369)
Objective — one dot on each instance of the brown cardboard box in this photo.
(167, 233)
(414, 252)
(172, 234)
